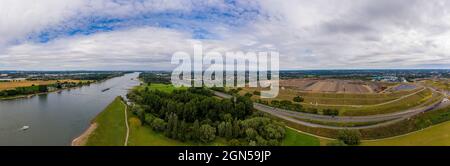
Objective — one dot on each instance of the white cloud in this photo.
(308, 34)
(20, 17)
(131, 49)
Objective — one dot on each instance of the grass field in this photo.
(438, 135)
(295, 138)
(336, 98)
(441, 84)
(162, 87)
(399, 105)
(142, 135)
(359, 104)
(111, 128)
(26, 83)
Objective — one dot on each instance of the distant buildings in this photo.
(388, 78)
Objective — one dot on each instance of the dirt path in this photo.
(82, 139)
(126, 124)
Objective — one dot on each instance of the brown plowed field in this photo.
(330, 85)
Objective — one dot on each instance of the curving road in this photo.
(295, 117)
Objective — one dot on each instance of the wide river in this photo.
(57, 118)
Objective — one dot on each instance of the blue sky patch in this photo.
(200, 22)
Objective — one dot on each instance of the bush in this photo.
(135, 122)
(207, 133)
(312, 110)
(248, 95)
(349, 137)
(298, 99)
(149, 118)
(331, 112)
(158, 124)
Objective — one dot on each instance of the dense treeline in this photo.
(97, 76)
(24, 90)
(87, 76)
(150, 77)
(40, 88)
(195, 115)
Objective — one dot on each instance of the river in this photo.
(57, 118)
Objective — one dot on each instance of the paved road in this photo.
(297, 116)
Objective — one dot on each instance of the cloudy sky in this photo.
(143, 34)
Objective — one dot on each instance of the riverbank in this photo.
(82, 139)
(55, 119)
(87, 82)
(108, 128)
(40, 93)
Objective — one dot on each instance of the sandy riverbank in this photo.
(82, 139)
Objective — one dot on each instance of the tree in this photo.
(172, 126)
(182, 135)
(196, 130)
(349, 137)
(298, 99)
(331, 112)
(207, 133)
(158, 124)
(236, 129)
(149, 118)
(42, 88)
(248, 94)
(221, 129)
(228, 130)
(251, 134)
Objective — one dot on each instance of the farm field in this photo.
(26, 83)
(358, 104)
(332, 85)
(341, 99)
(438, 135)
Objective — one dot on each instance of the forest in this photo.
(195, 115)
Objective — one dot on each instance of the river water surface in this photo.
(57, 118)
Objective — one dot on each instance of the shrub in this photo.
(207, 133)
(159, 124)
(298, 99)
(349, 137)
(330, 112)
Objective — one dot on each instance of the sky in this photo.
(144, 34)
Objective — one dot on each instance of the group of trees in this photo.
(33, 89)
(24, 90)
(347, 137)
(330, 112)
(298, 99)
(150, 77)
(195, 115)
